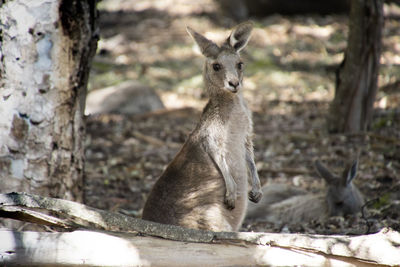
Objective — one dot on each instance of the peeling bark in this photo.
(44, 68)
(113, 239)
(93, 248)
(356, 81)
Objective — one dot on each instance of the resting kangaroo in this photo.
(205, 185)
(286, 204)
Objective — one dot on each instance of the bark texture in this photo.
(93, 248)
(46, 47)
(356, 81)
(113, 239)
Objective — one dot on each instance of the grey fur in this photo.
(205, 185)
(287, 204)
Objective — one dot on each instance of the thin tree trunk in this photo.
(46, 47)
(356, 81)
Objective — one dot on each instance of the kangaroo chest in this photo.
(225, 127)
(238, 124)
(237, 128)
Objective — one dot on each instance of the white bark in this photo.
(88, 248)
(129, 241)
(42, 71)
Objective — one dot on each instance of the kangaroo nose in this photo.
(234, 84)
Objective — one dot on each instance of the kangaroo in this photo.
(205, 185)
(286, 204)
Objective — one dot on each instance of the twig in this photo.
(155, 141)
(364, 215)
(373, 201)
(285, 170)
(387, 139)
(391, 88)
(393, 140)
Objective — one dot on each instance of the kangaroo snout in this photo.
(233, 86)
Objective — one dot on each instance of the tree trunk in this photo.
(356, 81)
(46, 47)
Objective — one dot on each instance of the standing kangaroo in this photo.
(285, 204)
(205, 185)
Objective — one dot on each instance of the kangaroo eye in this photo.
(240, 65)
(216, 66)
(339, 203)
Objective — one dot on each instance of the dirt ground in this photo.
(290, 63)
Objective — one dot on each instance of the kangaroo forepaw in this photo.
(255, 195)
(229, 201)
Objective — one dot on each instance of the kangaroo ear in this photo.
(240, 35)
(208, 48)
(325, 173)
(350, 172)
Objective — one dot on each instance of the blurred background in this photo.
(146, 95)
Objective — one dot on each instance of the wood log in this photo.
(140, 243)
(89, 248)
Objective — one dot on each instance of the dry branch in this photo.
(155, 141)
(139, 244)
(291, 171)
(75, 215)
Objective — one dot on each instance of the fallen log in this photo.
(101, 242)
